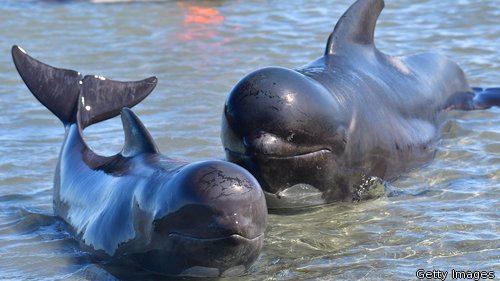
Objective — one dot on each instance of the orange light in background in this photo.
(202, 15)
(202, 25)
(201, 22)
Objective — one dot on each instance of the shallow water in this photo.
(442, 216)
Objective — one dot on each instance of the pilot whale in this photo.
(318, 133)
(165, 215)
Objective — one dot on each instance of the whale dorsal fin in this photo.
(356, 26)
(137, 138)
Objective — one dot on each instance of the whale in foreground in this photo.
(318, 133)
(168, 216)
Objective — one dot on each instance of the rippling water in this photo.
(443, 216)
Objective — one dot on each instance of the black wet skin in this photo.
(353, 113)
(169, 216)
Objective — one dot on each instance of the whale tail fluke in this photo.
(486, 98)
(73, 97)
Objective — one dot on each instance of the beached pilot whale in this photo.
(311, 135)
(171, 217)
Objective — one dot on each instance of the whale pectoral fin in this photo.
(460, 101)
(486, 98)
(137, 138)
(357, 25)
(103, 98)
(56, 88)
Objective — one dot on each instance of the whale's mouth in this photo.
(290, 193)
(225, 256)
(182, 254)
(228, 238)
(304, 155)
(290, 179)
(300, 155)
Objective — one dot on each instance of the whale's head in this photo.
(284, 127)
(210, 221)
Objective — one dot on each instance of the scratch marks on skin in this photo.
(251, 90)
(225, 185)
(257, 94)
